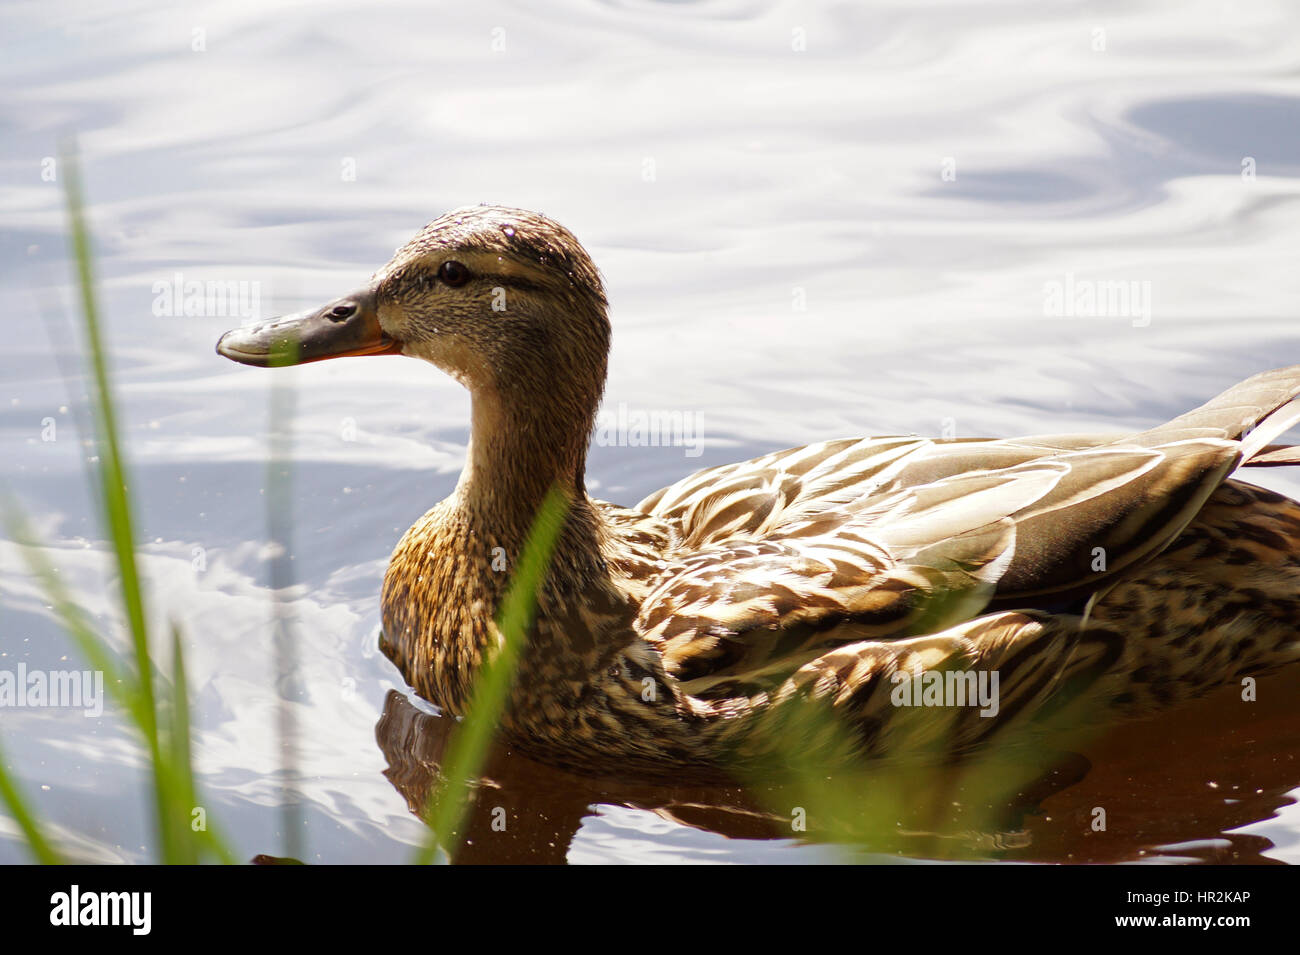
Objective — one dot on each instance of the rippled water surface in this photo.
(815, 220)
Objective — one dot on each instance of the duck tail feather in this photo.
(1259, 439)
(1255, 412)
(1275, 456)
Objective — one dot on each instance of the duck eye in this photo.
(453, 274)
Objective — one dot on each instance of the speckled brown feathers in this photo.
(679, 634)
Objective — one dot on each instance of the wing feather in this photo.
(785, 557)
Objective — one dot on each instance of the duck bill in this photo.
(345, 327)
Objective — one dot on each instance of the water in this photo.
(814, 221)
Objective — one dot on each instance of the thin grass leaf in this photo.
(180, 766)
(279, 520)
(112, 469)
(26, 819)
(178, 732)
(467, 751)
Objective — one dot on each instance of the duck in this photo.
(684, 633)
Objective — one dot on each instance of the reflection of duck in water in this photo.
(1196, 779)
(670, 634)
(525, 812)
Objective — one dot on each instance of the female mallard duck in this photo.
(670, 634)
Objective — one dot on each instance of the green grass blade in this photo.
(26, 819)
(112, 469)
(279, 521)
(468, 748)
(182, 765)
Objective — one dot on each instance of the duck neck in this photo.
(518, 451)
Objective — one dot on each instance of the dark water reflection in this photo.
(1218, 765)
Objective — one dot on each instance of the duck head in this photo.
(505, 301)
